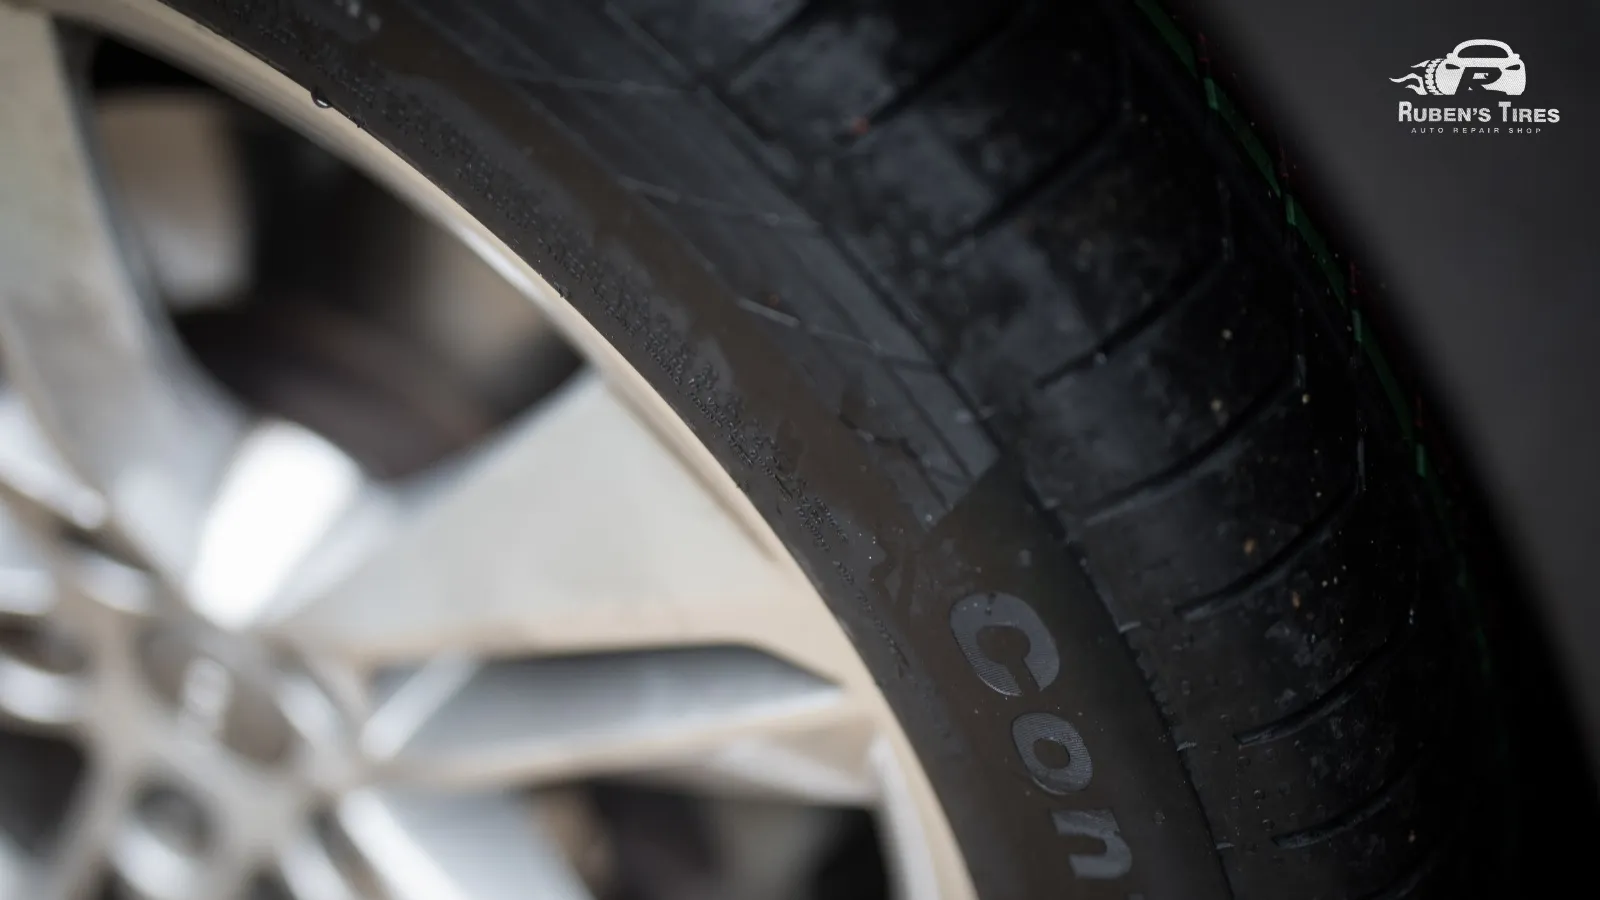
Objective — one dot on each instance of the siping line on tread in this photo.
(1312, 535)
(1222, 445)
(1329, 701)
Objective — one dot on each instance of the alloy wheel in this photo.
(286, 674)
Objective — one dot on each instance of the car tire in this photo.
(1000, 322)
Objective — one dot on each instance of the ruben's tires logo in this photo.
(1477, 65)
(1475, 69)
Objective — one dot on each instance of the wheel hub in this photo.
(222, 746)
(225, 695)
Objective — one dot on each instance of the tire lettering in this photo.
(971, 616)
(1029, 731)
(1031, 728)
(1101, 824)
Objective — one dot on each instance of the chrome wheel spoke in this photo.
(43, 658)
(34, 477)
(464, 725)
(76, 867)
(98, 367)
(463, 847)
(276, 509)
(577, 531)
(26, 589)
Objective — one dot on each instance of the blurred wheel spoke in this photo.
(26, 589)
(74, 870)
(42, 658)
(461, 725)
(469, 847)
(275, 508)
(98, 366)
(33, 474)
(577, 531)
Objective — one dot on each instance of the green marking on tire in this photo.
(1391, 388)
(1170, 33)
(1319, 247)
(1219, 101)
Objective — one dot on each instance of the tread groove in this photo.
(1136, 326)
(1405, 885)
(1329, 701)
(947, 67)
(1312, 535)
(798, 19)
(1065, 168)
(1192, 464)
(1351, 818)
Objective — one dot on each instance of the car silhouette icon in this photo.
(1478, 64)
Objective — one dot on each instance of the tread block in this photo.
(711, 35)
(844, 61)
(903, 191)
(1127, 226)
(1206, 536)
(1173, 394)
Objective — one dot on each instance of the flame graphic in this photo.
(1415, 82)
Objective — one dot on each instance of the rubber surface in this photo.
(1485, 248)
(997, 324)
